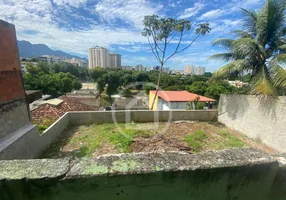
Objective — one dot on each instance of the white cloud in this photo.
(133, 49)
(131, 11)
(192, 11)
(73, 3)
(38, 18)
(225, 26)
(213, 14)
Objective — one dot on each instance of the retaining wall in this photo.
(241, 174)
(80, 118)
(257, 118)
(28, 143)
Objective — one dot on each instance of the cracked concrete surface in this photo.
(136, 163)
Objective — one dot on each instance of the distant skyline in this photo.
(74, 26)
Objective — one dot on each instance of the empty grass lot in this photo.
(191, 137)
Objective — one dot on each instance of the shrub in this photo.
(44, 124)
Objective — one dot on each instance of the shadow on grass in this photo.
(55, 150)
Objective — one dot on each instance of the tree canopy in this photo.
(41, 77)
(259, 49)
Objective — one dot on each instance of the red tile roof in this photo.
(47, 111)
(181, 96)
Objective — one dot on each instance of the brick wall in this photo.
(11, 86)
(14, 113)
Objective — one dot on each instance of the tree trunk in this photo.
(158, 85)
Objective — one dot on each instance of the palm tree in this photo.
(260, 49)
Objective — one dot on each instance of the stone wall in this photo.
(241, 174)
(257, 118)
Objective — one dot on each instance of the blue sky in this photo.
(75, 25)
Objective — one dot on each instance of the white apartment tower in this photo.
(98, 57)
(200, 70)
(115, 60)
(189, 69)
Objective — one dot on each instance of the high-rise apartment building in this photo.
(189, 69)
(115, 60)
(192, 70)
(98, 57)
(200, 70)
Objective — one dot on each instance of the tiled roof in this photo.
(181, 96)
(48, 111)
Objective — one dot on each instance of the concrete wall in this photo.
(33, 95)
(28, 143)
(241, 174)
(80, 118)
(13, 115)
(262, 119)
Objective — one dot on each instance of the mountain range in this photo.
(26, 49)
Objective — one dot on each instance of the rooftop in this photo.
(181, 96)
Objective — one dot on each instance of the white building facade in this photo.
(115, 60)
(98, 57)
(78, 62)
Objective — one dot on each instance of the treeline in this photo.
(112, 80)
(60, 78)
(54, 79)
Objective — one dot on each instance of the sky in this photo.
(74, 26)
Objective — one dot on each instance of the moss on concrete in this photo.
(124, 165)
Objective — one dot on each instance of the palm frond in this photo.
(278, 75)
(250, 21)
(222, 56)
(242, 34)
(235, 67)
(225, 43)
(279, 59)
(281, 49)
(262, 83)
(269, 24)
(248, 48)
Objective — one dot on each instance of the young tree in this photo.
(165, 31)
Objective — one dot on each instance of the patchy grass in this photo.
(222, 139)
(95, 140)
(196, 139)
(44, 124)
(89, 139)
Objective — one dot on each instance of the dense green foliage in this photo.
(114, 80)
(259, 49)
(50, 78)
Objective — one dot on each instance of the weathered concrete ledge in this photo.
(244, 174)
(135, 163)
(170, 161)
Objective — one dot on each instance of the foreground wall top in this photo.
(244, 174)
(136, 163)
